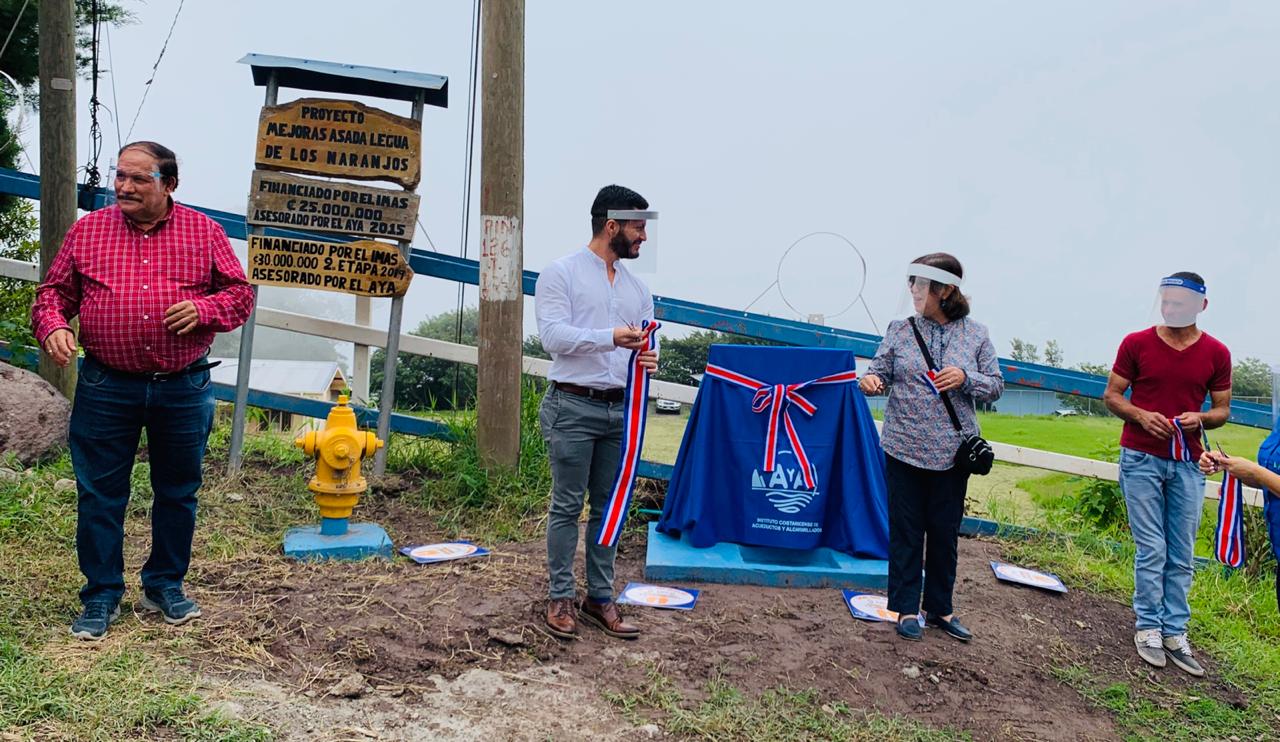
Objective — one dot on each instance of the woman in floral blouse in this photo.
(926, 487)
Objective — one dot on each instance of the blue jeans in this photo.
(1165, 500)
(109, 414)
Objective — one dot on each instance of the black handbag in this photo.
(975, 455)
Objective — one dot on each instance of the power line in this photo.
(431, 243)
(155, 68)
(91, 176)
(468, 169)
(115, 102)
(16, 21)
(16, 134)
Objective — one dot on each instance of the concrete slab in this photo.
(361, 541)
(675, 560)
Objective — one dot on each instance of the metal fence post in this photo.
(1275, 397)
(235, 457)
(387, 396)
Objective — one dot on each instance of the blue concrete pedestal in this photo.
(676, 560)
(361, 541)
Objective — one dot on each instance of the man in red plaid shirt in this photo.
(151, 281)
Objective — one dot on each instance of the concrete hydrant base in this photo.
(361, 541)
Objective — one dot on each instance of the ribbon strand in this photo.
(634, 412)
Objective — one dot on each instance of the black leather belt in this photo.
(600, 395)
(194, 368)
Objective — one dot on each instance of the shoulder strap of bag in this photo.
(928, 359)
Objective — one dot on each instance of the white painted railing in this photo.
(444, 350)
(19, 269)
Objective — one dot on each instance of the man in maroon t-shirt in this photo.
(1170, 368)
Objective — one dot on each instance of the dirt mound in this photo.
(399, 624)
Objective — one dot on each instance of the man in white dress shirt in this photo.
(589, 310)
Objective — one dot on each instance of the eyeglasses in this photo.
(138, 179)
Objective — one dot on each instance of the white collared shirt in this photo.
(577, 309)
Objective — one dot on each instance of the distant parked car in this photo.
(1066, 412)
(668, 405)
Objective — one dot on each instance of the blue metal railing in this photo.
(693, 314)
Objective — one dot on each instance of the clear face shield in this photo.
(919, 297)
(632, 240)
(1179, 302)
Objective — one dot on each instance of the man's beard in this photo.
(621, 247)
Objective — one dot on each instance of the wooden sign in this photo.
(363, 268)
(342, 138)
(279, 200)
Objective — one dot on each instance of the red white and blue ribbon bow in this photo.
(1228, 537)
(775, 401)
(634, 411)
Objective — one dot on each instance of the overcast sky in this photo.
(1070, 154)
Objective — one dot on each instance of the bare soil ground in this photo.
(457, 650)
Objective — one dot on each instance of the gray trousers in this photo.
(584, 441)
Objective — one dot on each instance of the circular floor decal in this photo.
(873, 605)
(661, 597)
(1027, 576)
(443, 551)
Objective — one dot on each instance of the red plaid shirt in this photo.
(121, 280)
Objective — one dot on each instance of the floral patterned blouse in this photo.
(917, 429)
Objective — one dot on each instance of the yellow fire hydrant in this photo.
(338, 450)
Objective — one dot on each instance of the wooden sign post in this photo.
(337, 138)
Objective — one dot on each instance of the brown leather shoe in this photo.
(606, 616)
(560, 620)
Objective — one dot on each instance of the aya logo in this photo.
(784, 487)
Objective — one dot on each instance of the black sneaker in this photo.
(909, 628)
(1180, 652)
(170, 603)
(952, 627)
(94, 620)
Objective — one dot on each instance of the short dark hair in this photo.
(1189, 276)
(166, 160)
(613, 197)
(955, 306)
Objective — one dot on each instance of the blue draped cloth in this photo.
(720, 492)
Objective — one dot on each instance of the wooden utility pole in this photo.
(57, 151)
(501, 246)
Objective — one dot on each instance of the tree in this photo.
(1087, 405)
(1053, 354)
(19, 229)
(1024, 351)
(1251, 378)
(684, 358)
(429, 383)
(533, 348)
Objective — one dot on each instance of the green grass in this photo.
(663, 433)
(777, 715)
(1152, 712)
(53, 687)
(1234, 621)
(467, 497)
(1083, 435)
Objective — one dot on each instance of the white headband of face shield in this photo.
(627, 215)
(934, 274)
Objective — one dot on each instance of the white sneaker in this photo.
(1149, 647)
(1179, 650)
